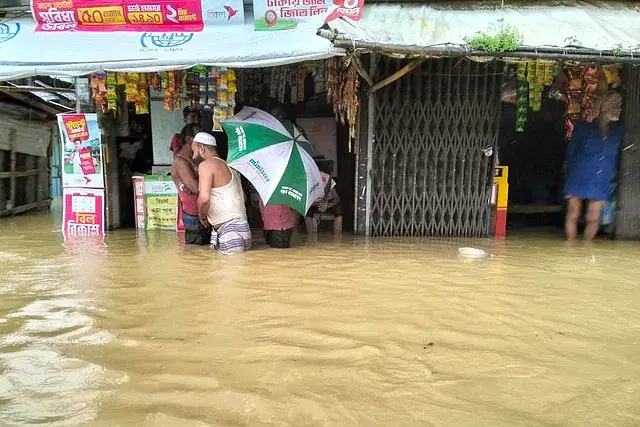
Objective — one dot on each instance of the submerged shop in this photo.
(460, 97)
(139, 82)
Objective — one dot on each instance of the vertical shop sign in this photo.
(139, 202)
(83, 212)
(82, 161)
(273, 15)
(161, 200)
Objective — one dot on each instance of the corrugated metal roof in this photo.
(592, 25)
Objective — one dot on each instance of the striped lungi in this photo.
(232, 237)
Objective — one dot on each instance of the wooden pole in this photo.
(3, 196)
(12, 169)
(395, 76)
(371, 117)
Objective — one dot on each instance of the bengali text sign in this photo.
(118, 15)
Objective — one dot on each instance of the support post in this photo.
(12, 169)
(3, 196)
(370, 141)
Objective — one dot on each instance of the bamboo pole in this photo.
(12, 169)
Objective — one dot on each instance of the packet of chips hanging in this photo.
(574, 105)
(612, 75)
(112, 92)
(131, 88)
(574, 78)
(549, 73)
(532, 71)
(541, 67)
(168, 101)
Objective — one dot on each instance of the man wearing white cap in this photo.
(220, 198)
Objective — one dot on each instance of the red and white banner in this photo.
(135, 15)
(351, 9)
(81, 147)
(83, 212)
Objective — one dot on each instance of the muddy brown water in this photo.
(139, 331)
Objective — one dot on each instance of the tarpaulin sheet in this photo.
(24, 52)
(593, 25)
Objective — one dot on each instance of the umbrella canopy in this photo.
(275, 157)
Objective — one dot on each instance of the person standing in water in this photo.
(185, 176)
(190, 116)
(220, 198)
(592, 158)
(279, 221)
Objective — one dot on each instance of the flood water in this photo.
(142, 332)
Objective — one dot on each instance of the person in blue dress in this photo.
(592, 159)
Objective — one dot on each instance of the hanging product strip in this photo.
(583, 84)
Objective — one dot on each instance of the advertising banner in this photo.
(83, 212)
(273, 15)
(170, 16)
(82, 151)
(350, 9)
(161, 200)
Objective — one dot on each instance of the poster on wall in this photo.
(161, 16)
(161, 200)
(274, 15)
(82, 160)
(82, 212)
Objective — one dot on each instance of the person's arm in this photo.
(205, 172)
(572, 145)
(186, 174)
(334, 198)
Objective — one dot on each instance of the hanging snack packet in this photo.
(591, 79)
(549, 73)
(112, 92)
(532, 72)
(541, 67)
(612, 75)
(574, 78)
(574, 105)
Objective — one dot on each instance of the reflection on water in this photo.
(144, 332)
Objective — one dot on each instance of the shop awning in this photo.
(405, 27)
(24, 52)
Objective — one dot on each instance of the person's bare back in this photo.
(218, 170)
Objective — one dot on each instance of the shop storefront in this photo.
(431, 116)
(141, 79)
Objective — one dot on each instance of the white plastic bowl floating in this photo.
(472, 253)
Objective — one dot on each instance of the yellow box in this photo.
(108, 15)
(501, 178)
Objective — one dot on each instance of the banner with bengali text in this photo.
(273, 15)
(137, 16)
(161, 200)
(82, 162)
(350, 9)
(83, 212)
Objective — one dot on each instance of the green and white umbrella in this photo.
(275, 157)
